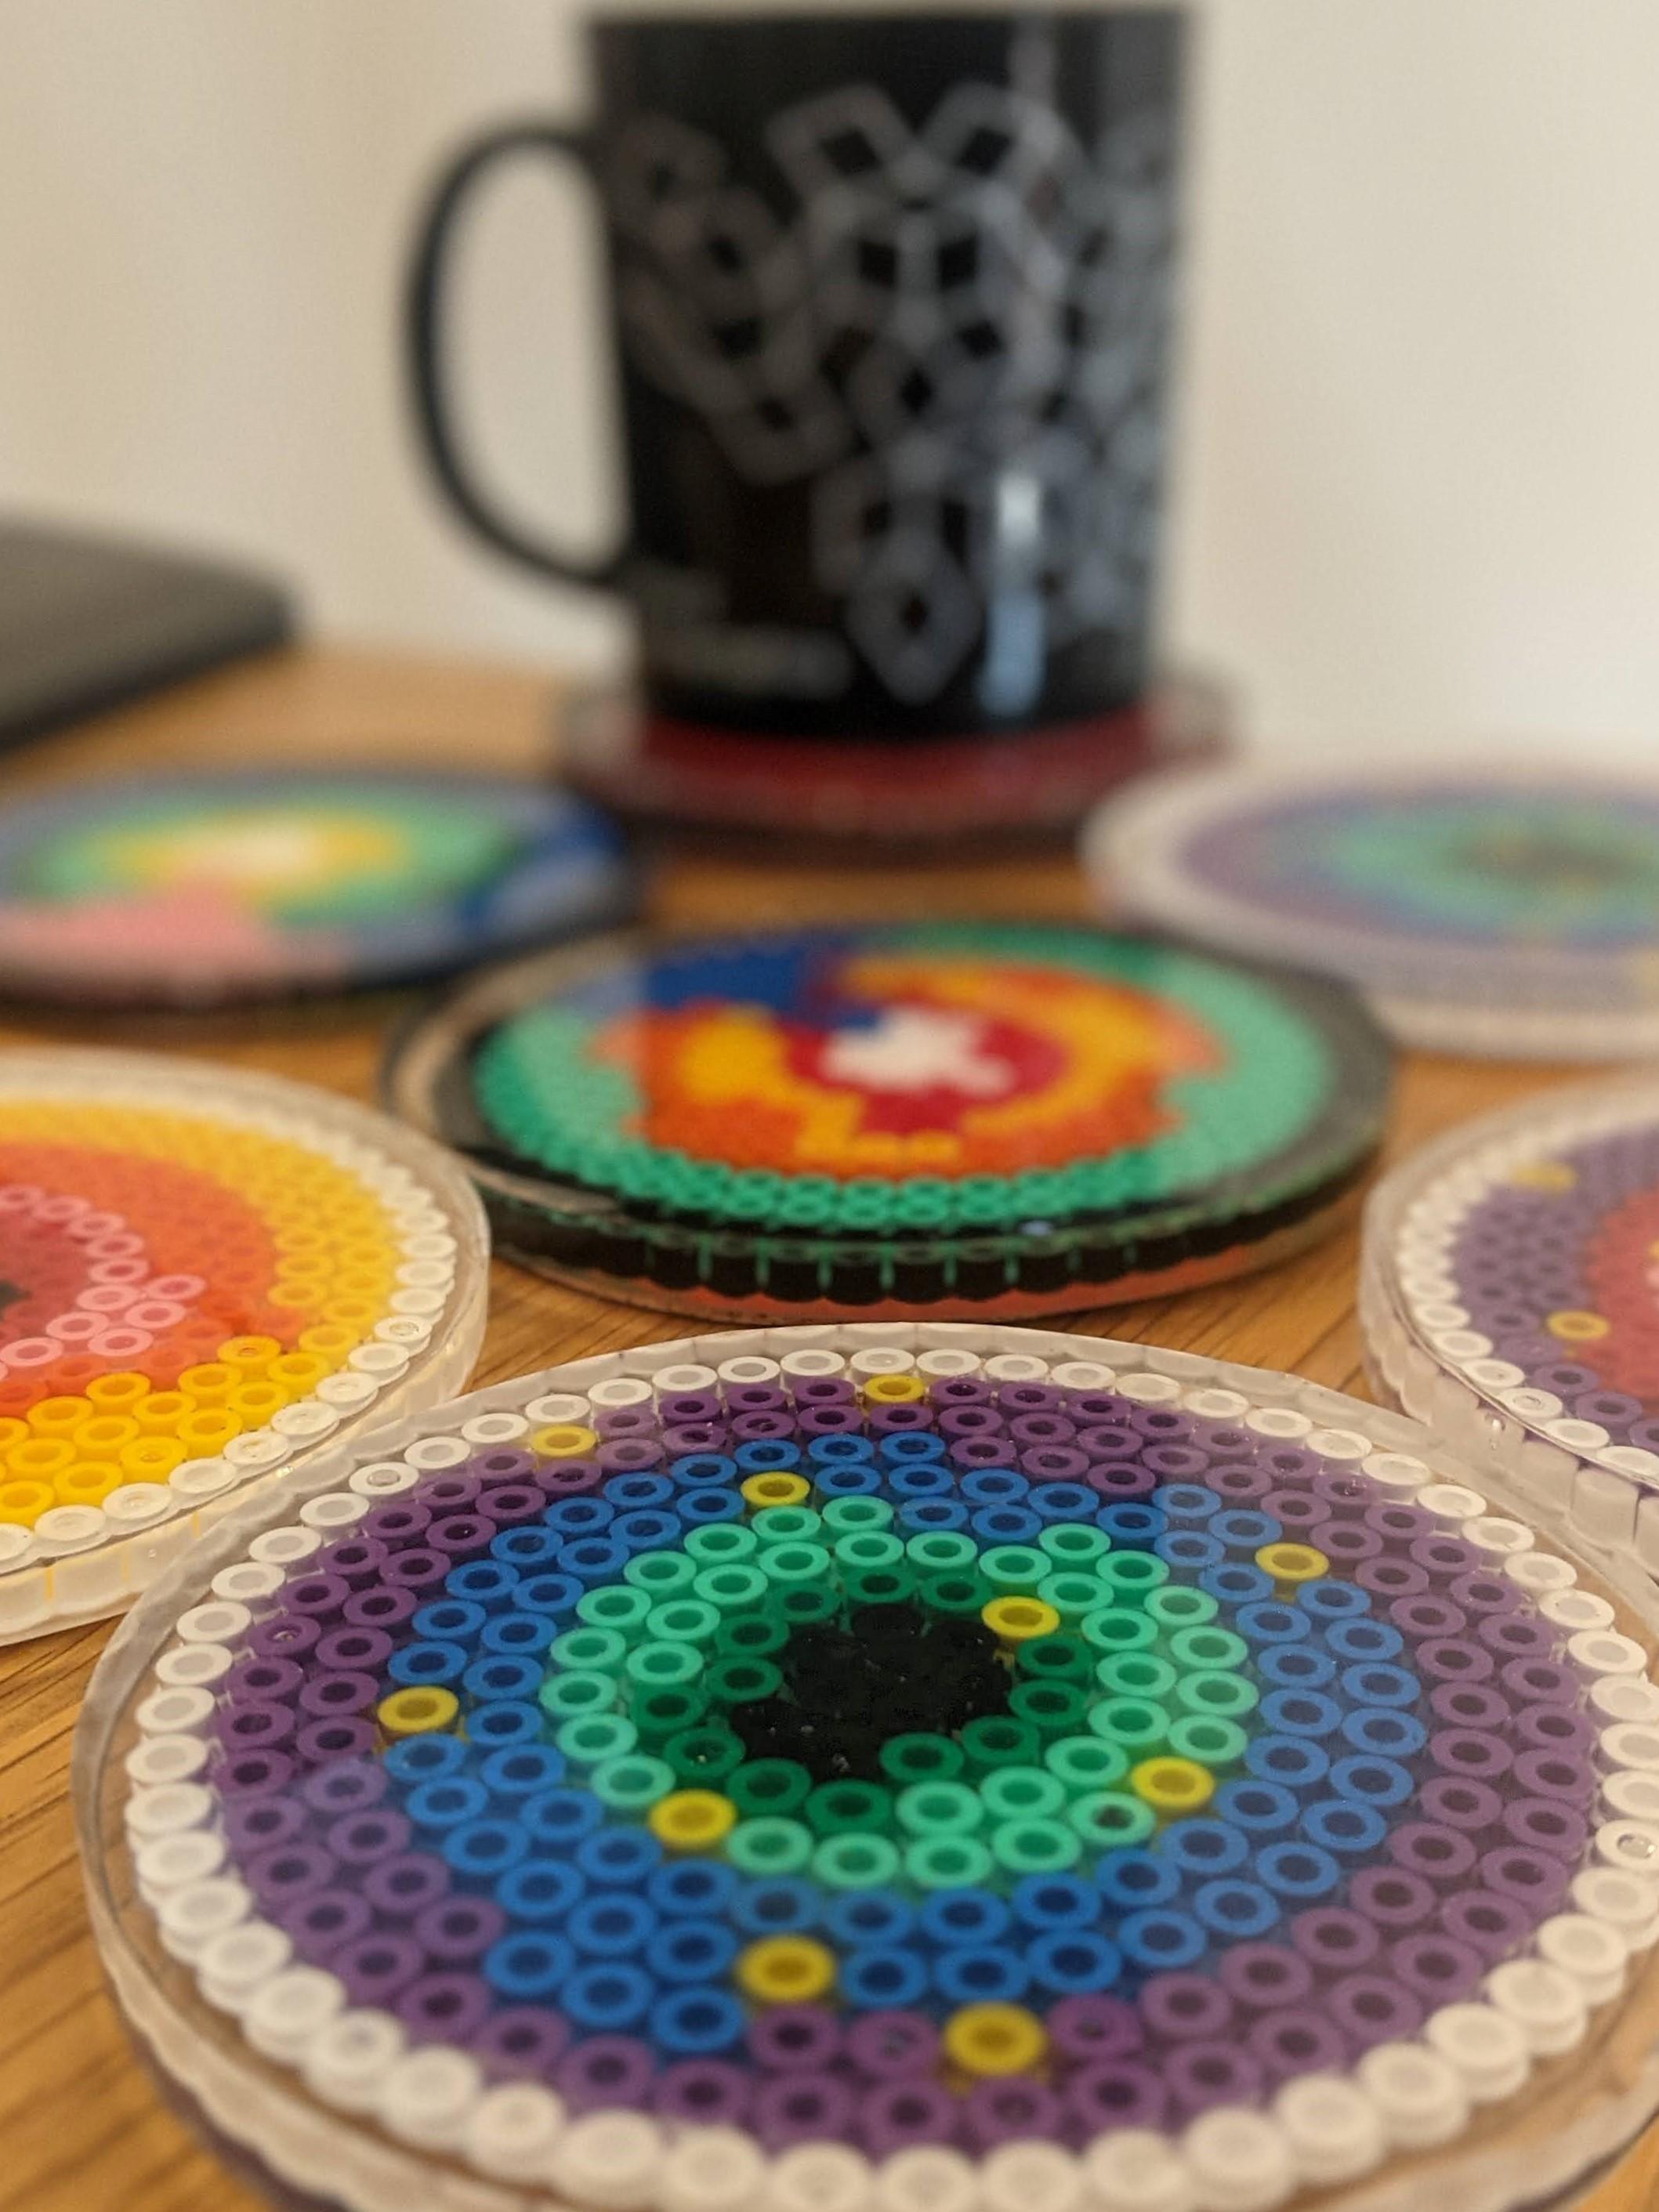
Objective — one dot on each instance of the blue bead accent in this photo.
(607, 1998)
(700, 1509)
(482, 1850)
(1187, 1504)
(447, 1803)
(623, 1858)
(762, 1456)
(783, 1904)
(1073, 1962)
(875, 1979)
(527, 1966)
(958, 1918)
(498, 1677)
(1374, 1683)
(993, 1486)
(594, 1559)
(518, 1634)
(692, 1889)
(1295, 1667)
(430, 1665)
(1244, 1532)
(523, 1770)
(910, 1447)
(646, 1531)
(449, 1620)
(1062, 1501)
(1163, 1939)
(1235, 1584)
(691, 1951)
(1293, 1762)
(1236, 1909)
(1328, 1599)
(854, 1479)
(986, 1973)
(1045, 1902)
(580, 1517)
(1372, 1780)
(638, 1493)
(539, 1889)
(926, 1479)
(1301, 1712)
(696, 1469)
(1190, 1551)
(867, 1918)
(1301, 1872)
(1005, 1524)
(1380, 1728)
(1131, 1527)
(841, 1451)
(1357, 1641)
(1206, 1847)
(561, 1817)
(1271, 1623)
(1133, 1880)
(425, 1759)
(923, 1515)
(487, 1580)
(1261, 1809)
(525, 1547)
(695, 2023)
(610, 1924)
(1344, 1828)
(555, 1594)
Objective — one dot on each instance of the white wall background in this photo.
(1420, 490)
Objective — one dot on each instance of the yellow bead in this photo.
(25, 1502)
(785, 1970)
(1544, 1174)
(41, 1459)
(249, 1355)
(1018, 1619)
(417, 1713)
(58, 1417)
(1576, 1328)
(207, 1432)
(894, 1389)
(159, 1414)
(1292, 1565)
(564, 1440)
(106, 1435)
(779, 1489)
(254, 1403)
(691, 1820)
(1172, 1786)
(152, 1459)
(209, 1384)
(88, 1482)
(995, 2038)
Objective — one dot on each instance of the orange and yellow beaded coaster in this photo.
(203, 1277)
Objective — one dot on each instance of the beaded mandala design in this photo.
(748, 1778)
(199, 1281)
(188, 886)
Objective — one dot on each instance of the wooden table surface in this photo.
(81, 2130)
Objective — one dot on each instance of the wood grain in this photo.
(83, 2128)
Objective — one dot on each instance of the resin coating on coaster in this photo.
(974, 1114)
(1518, 1262)
(877, 1744)
(203, 1277)
(186, 889)
(1497, 908)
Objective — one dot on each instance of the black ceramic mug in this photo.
(891, 298)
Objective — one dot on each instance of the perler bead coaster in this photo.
(992, 1118)
(202, 889)
(1508, 1295)
(203, 1277)
(875, 1770)
(1490, 908)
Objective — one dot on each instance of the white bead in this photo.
(1629, 1795)
(1485, 2046)
(1625, 1697)
(286, 1547)
(433, 1455)
(927, 2180)
(381, 1479)
(1591, 1952)
(748, 1369)
(1135, 2170)
(1623, 1901)
(247, 1581)
(1540, 1572)
(1093, 1374)
(1596, 1651)
(511, 2131)
(175, 1712)
(170, 1862)
(1030, 2177)
(1451, 1503)
(1340, 1445)
(495, 1428)
(1242, 2161)
(287, 2013)
(610, 2160)
(1629, 1846)
(1497, 1538)
(1633, 1744)
(166, 1759)
(428, 2097)
(189, 1917)
(881, 1359)
(1332, 2128)
(1016, 1367)
(687, 1376)
(1146, 1389)
(1575, 1609)
(812, 1364)
(610, 1396)
(233, 1966)
(191, 1665)
(1420, 2100)
(823, 2177)
(346, 2063)
(1547, 2005)
(1398, 1472)
(334, 1509)
(946, 1362)
(214, 1623)
(712, 2169)
(168, 1808)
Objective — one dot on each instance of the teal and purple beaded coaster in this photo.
(1505, 908)
(995, 1118)
(883, 1768)
(1511, 1296)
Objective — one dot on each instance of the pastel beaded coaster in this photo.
(196, 890)
(998, 1118)
(885, 1768)
(1509, 1295)
(1486, 908)
(203, 1277)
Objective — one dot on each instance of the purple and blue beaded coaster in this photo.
(1491, 907)
(1510, 1296)
(875, 1769)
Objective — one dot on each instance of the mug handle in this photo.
(427, 360)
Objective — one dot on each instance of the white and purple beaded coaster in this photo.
(1496, 907)
(883, 1769)
(1510, 1292)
